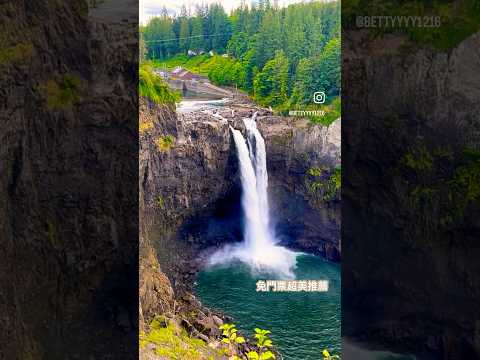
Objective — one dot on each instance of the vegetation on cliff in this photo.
(169, 341)
(442, 184)
(63, 93)
(152, 87)
(325, 183)
(443, 24)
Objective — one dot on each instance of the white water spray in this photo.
(259, 247)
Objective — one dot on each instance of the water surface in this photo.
(302, 324)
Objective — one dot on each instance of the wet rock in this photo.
(217, 320)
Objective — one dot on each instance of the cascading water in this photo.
(259, 247)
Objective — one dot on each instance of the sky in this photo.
(150, 8)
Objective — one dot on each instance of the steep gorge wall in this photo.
(67, 183)
(190, 191)
(180, 185)
(304, 219)
(410, 104)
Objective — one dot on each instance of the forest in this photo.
(278, 55)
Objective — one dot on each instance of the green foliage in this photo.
(253, 355)
(153, 87)
(160, 202)
(16, 53)
(166, 36)
(326, 183)
(336, 178)
(165, 143)
(63, 93)
(263, 343)
(174, 343)
(465, 185)
(326, 71)
(262, 338)
(229, 334)
(442, 184)
(419, 159)
(200, 64)
(314, 172)
(279, 55)
(326, 355)
(271, 84)
(457, 19)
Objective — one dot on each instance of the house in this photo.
(177, 70)
(162, 74)
(225, 55)
(180, 73)
(191, 53)
(211, 53)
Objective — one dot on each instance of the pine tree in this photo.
(271, 84)
(184, 31)
(197, 41)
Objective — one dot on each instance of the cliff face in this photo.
(67, 183)
(411, 114)
(303, 217)
(190, 189)
(180, 184)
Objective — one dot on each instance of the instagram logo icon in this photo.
(319, 97)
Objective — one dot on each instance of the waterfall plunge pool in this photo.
(302, 323)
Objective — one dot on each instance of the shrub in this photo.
(165, 143)
(154, 88)
(64, 93)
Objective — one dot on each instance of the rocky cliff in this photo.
(410, 135)
(190, 200)
(190, 188)
(295, 150)
(67, 183)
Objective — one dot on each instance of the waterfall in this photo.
(259, 247)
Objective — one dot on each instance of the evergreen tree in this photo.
(326, 70)
(271, 84)
(303, 89)
(197, 41)
(184, 31)
(269, 38)
(220, 28)
(268, 45)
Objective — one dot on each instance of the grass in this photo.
(200, 64)
(333, 111)
(171, 342)
(154, 88)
